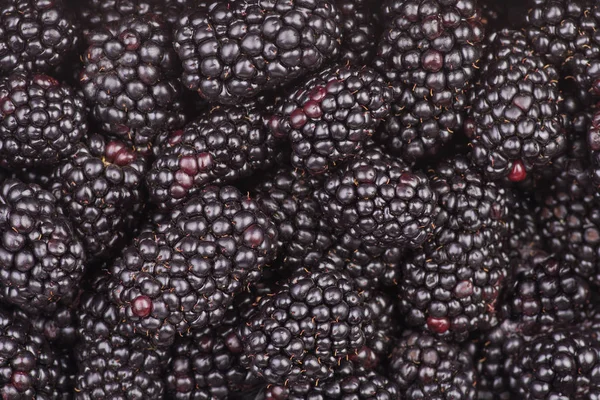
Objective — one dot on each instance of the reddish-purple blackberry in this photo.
(514, 123)
(41, 258)
(43, 120)
(183, 274)
(429, 52)
(35, 35)
(233, 50)
(100, 189)
(226, 144)
(359, 30)
(377, 200)
(129, 80)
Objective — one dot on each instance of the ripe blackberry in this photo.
(183, 274)
(35, 35)
(425, 367)
(302, 333)
(224, 145)
(129, 80)
(377, 200)
(514, 123)
(43, 120)
(429, 52)
(42, 259)
(359, 30)
(385, 329)
(100, 189)
(233, 50)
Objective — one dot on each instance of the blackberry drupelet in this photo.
(514, 123)
(233, 50)
(42, 259)
(224, 145)
(43, 120)
(378, 201)
(129, 80)
(36, 35)
(359, 30)
(183, 274)
(429, 52)
(425, 367)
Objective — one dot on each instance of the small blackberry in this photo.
(233, 50)
(43, 120)
(359, 30)
(226, 144)
(129, 80)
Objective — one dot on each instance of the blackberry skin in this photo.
(521, 226)
(359, 30)
(386, 329)
(300, 334)
(129, 80)
(331, 117)
(43, 259)
(377, 200)
(514, 123)
(429, 52)
(101, 190)
(36, 35)
(225, 145)
(43, 120)
(183, 274)
(593, 142)
(265, 45)
(425, 367)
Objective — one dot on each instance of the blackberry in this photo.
(514, 123)
(233, 50)
(183, 274)
(429, 52)
(386, 329)
(228, 143)
(377, 200)
(42, 259)
(521, 226)
(359, 30)
(36, 35)
(593, 142)
(425, 367)
(129, 80)
(43, 120)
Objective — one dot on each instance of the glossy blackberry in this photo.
(514, 123)
(384, 313)
(36, 35)
(183, 274)
(42, 258)
(376, 199)
(521, 226)
(129, 80)
(330, 117)
(234, 50)
(360, 30)
(429, 52)
(43, 120)
(425, 367)
(224, 145)
(302, 333)
(101, 190)
(593, 142)
(58, 327)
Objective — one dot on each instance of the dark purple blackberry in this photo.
(360, 30)
(233, 50)
(429, 52)
(183, 274)
(378, 201)
(129, 80)
(35, 35)
(514, 123)
(41, 258)
(593, 142)
(301, 334)
(330, 117)
(386, 328)
(521, 226)
(226, 144)
(43, 120)
(425, 367)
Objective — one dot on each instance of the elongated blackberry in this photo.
(43, 120)
(514, 123)
(226, 144)
(129, 79)
(41, 258)
(429, 52)
(36, 35)
(233, 50)
(360, 30)
(183, 274)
